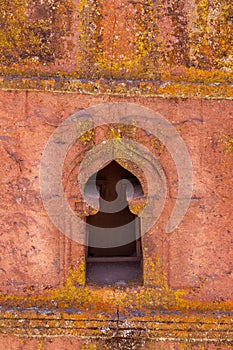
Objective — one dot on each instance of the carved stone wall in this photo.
(59, 58)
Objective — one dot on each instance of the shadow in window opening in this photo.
(108, 261)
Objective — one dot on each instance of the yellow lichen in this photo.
(87, 136)
(31, 33)
(88, 18)
(114, 133)
(40, 344)
(93, 299)
(136, 206)
(197, 45)
(157, 295)
(211, 37)
(228, 142)
(90, 346)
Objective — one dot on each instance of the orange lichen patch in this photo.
(171, 89)
(195, 75)
(213, 91)
(150, 312)
(155, 295)
(89, 33)
(211, 36)
(193, 90)
(87, 136)
(140, 343)
(120, 40)
(116, 49)
(136, 205)
(32, 33)
(182, 326)
(131, 52)
(227, 140)
(184, 89)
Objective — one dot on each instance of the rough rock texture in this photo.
(58, 57)
(68, 343)
(197, 255)
(115, 39)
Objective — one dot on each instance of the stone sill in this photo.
(156, 88)
(191, 326)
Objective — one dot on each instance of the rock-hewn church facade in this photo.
(116, 136)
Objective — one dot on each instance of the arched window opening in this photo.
(114, 253)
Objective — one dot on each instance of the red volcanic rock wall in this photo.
(61, 57)
(197, 255)
(116, 39)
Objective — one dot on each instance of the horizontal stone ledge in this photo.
(176, 325)
(157, 88)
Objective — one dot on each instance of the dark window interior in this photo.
(112, 262)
